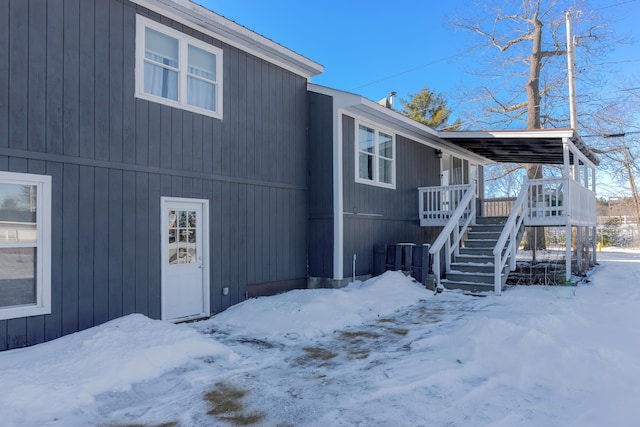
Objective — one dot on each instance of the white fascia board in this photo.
(572, 137)
(208, 22)
(526, 133)
(364, 109)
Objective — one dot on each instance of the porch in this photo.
(479, 256)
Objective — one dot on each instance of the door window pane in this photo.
(182, 218)
(456, 171)
(173, 255)
(173, 236)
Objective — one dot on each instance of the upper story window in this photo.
(25, 245)
(375, 156)
(178, 70)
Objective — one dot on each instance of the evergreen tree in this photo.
(429, 108)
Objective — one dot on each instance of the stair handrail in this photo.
(509, 232)
(467, 205)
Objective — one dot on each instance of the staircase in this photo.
(473, 269)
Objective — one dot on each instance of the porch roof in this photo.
(542, 146)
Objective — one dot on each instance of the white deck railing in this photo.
(451, 235)
(546, 203)
(582, 209)
(549, 203)
(509, 237)
(437, 204)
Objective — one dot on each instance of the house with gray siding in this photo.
(153, 159)
(158, 158)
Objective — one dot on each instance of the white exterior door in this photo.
(184, 265)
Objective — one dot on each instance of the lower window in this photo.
(25, 245)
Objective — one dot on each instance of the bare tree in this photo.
(525, 69)
(615, 130)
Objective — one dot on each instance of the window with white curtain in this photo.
(25, 245)
(178, 70)
(375, 154)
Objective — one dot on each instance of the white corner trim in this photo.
(338, 195)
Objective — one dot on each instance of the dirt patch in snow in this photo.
(226, 404)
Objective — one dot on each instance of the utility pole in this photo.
(570, 62)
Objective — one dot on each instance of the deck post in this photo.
(595, 230)
(567, 262)
(579, 249)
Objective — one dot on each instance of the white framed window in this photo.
(375, 156)
(25, 245)
(175, 69)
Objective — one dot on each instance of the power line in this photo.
(407, 71)
(613, 135)
(616, 4)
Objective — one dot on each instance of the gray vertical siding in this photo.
(321, 215)
(70, 112)
(376, 215)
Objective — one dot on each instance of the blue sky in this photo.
(373, 47)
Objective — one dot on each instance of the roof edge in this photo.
(234, 34)
(507, 133)
(359, 105)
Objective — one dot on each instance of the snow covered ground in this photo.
(381, 353)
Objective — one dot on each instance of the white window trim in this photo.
(43, 246)
(184, 40)
(376, 179)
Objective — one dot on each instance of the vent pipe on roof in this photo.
(387, 102)
(392, 98)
